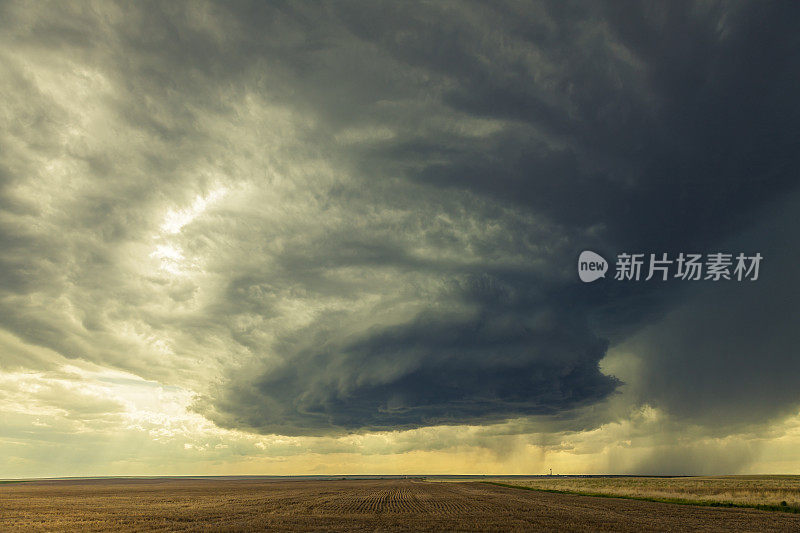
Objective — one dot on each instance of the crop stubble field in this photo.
(738, 490)
(347, 505)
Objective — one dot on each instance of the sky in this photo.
(342, 237)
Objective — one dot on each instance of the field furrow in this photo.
(346, 505)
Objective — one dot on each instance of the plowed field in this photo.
(349, 505)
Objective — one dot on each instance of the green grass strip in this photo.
(679, 501)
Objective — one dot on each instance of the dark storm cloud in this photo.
(652, 123)
(406, 190)
(671, 116)
(727, 355)
(510, 357)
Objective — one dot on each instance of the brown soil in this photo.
(350, 505)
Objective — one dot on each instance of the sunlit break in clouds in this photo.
(255, 238)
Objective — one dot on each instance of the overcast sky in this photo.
(342, 237)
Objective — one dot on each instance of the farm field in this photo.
(777, 491)
(346, 505)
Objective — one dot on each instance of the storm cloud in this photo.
(484, 365)
(325, 218)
